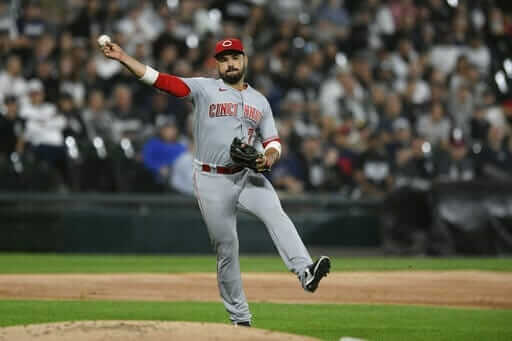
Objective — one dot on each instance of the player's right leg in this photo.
(217, 196)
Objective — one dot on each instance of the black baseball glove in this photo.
(244, 155)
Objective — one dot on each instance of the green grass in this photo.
(51, 263)
(328, 322)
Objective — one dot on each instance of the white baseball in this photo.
(103, 40)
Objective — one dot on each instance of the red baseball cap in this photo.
(229, 44)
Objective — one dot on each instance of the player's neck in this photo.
(240, 85)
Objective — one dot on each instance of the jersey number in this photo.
(250, 135)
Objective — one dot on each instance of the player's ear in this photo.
(246, 59)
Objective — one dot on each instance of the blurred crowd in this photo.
(368, 95)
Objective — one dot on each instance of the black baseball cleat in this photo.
(243, 324)
(315, 272)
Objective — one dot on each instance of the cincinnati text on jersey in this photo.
(230, 109)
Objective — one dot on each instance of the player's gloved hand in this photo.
(244, 155)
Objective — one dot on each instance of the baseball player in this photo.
(225, 109)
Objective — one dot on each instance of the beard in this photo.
(232, 77)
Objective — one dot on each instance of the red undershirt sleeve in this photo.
(172, 84)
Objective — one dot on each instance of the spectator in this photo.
(330, 93)
(414, 165)
(354, 99)
(415, 89)
(362, 70)
(143, 52)
(342, 93)
(292, 117)
(294, 108)
(359, 29)
(345, 163)
(461, 108)
(258, 24)
(129, 122)
(12, 127)
(45, 71)
(350, 126)
(479, 125)
(440, 14)
(75, 125)
(378, 97)
(98, 120)
(479, 54)
(65, 44)
(401, 137)
(333, 20)
(40, 115)
(400, 60)
(69, 82)
(11, 79)
(159, 107)
(455, 164)
(98, 172)
(141, 24)
(32, 24)
(495, 114)
(392, 111)
(496, 156)
(444, 57)
(160, 152)
(167, 41)
(461, 74)
(6, 45)
(45, 48)
(313, 163)
(460, 29)
(434, 127)
(476, 86)
(89, 21)
(259, 76)
(7, 22)
(373, 169)
(383, 25)
(91, 78)
(44, 128)
(317, 60)
(301, 79)
(438, 92)
(287, 175)
(286, 10)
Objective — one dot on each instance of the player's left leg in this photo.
(259, 197)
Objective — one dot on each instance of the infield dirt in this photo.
(450, 288)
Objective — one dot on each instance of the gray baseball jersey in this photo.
(222, 113)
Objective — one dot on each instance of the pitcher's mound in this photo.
(140, 330)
